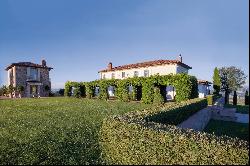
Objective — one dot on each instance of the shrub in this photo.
(158, 99)
(3, 90)
(61, 92)
(132, 139)
(46, 88)
(103, 93)
(68, 89)
(20, 88)
(210, 99)
(235, 98)
(51, 94)
(82, 91)
(147, 92)
(77, 92)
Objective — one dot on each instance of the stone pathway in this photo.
(242, 118)
(199, 120)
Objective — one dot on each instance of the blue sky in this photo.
(80, 37)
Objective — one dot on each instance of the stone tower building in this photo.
(34, 78)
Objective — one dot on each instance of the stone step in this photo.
(225, 118)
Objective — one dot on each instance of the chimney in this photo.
(180, 58)
(110, 66)
(43, 62)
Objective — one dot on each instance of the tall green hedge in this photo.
(131, 139)
(185, 86)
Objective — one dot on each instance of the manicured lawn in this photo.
(232, 129)
(243, 109)
(54, 130)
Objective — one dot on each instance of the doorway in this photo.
(33, 90)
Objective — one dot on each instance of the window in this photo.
(146, 73)
(103, 76)
(136, 73)
(33, 74)
(123, 74)
(113, 75)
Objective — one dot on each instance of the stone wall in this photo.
(44, 78)
(20, 79)
(21, 76)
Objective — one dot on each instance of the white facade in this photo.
(170, 93)
(203, 90)
(164, 69)
(152, 70)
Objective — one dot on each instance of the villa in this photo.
(149, 68)
(34, 78)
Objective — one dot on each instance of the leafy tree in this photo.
(20, 89)
(232, 79)
(235, 78)
(4, 90)
(216, 81)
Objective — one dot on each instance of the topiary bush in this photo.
(77, 92)
(103, 91)
(158, 98)
(131, 139)
(68, 89)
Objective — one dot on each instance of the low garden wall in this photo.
(135, 139)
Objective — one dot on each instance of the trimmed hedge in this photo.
(132, 139)
(77, 92)
(158, 99)
(185, 85)
(212, 98)
(177, 115)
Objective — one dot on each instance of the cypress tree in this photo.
(216, 81)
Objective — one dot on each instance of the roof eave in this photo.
(10, 66)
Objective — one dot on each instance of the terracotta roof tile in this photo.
(27, 64)
(147, 64)
(203, 82)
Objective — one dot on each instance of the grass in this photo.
(55, 130)
(231, 129)
(243, 109)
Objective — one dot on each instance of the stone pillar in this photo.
(28, 90)
(38, 90)
(14, 76)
